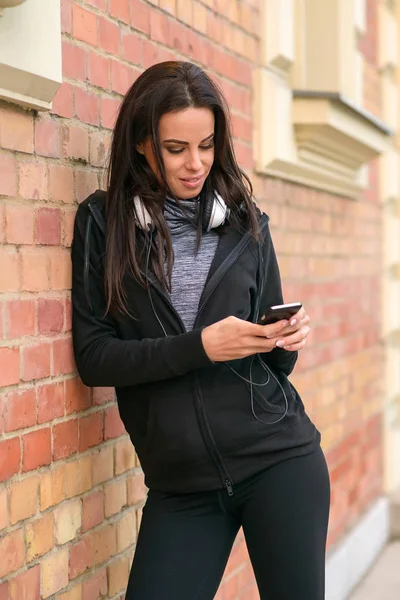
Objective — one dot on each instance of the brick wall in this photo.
(71, 489)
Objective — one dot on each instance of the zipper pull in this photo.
(228, 485)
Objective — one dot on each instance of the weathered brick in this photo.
(78, 476)
(23, 498)
(9, 360)
(67, 520)
(140, 16)
(26, 586)
(109, 108)
(20, 410)
(131, 48)
(74, 593)
(61, 183)
(90, 431)
(126, 531)
(20, 222)
(137, 491)
(81, 556)
(36, 449)
(12, 552)
(20, 318)
(54, 572)
(16, 130)
(60, 269)
(92, 510)
(39, 537)
(75, 142)
(102, 465)
(50, 315)
(119, 9)
(86, 182)
(87, 106)
(104, 543)
(68, 228)
(10, 453)
(113, 426)
(8, 175)
(50, 402)
(124, 456)
(3, 511)
(121, 77)
(65, 439)
(114, 497)
(74, 61)
(48, 226)
(63, 359)
(103, 395)
(99, 70)
(52, 487)
(118, 573)
(34, 267)
(84, 25)
(33, 182)
(95, 586)
(108, 36)
(63, 101)
(77, 396)
(47, 137)
(99, 149)
(36, 361)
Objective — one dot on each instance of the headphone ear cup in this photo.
(143, 218)
(217, 211)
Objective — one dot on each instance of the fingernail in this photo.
(293, 322)
(280, 343)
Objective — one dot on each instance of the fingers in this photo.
(294, 339)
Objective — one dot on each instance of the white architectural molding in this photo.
(347, 564)
(30, 53)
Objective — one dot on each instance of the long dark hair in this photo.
(165, 87)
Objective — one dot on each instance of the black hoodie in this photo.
(191, 421)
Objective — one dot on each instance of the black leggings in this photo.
(185, 540)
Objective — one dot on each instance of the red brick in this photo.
(20, 318)
(4, 591)
(69, 221)
(20, 410)
(16, 130)
(100, 4)
(68, 314)
(104, 543)
(9, 361)
(131, 48)
(63, 359)
(63, 101)
(84, 25)
(119, 9)
(150, 54)
(47, 138)
(137, 491)
(77, 396)
(36, 361)
(159, 27)
(92, 510)
(121, 77)
(103, 395)
(48, 228)
(3, 510)
(99, 70)
(26, 586)
(86, 182)
(95, 586)
(50, 402)
(33, 181)
(178, 37)
(65, 439)
(75, 142)
(66, 16)
(113, 426)
(108, 36)
(36, 449)
(61, 183)
(140, 16)
(81, 557)
(74, 61)
(10, 457)
(99, 149)
(60, 269)
(12, 552)
(34, 266)
(20, 221)
(8, 175)
(87, 106)
(90, 431)
(109, 108)
(50, 315)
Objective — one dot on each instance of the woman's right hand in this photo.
(233, 338)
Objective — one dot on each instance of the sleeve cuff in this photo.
(186, 352)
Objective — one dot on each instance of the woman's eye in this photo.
(175, 150)
(207, 147)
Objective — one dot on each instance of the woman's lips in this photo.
(192, 182)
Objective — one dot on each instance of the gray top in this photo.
(190, 270)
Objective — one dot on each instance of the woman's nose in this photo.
(194, 162)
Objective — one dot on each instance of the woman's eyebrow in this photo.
(186, 143)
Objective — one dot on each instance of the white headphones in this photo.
(215, 214)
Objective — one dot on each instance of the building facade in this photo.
(313, 88)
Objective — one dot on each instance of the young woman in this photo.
(172, 268)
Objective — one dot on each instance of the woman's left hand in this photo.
(294, 336)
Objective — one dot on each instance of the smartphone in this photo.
(279, 312)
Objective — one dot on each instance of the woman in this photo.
(172, 268)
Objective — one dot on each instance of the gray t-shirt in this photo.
(190, 270)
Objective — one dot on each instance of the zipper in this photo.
(210, 441)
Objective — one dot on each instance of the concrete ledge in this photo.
(348, 563)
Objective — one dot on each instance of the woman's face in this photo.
(187, 147)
